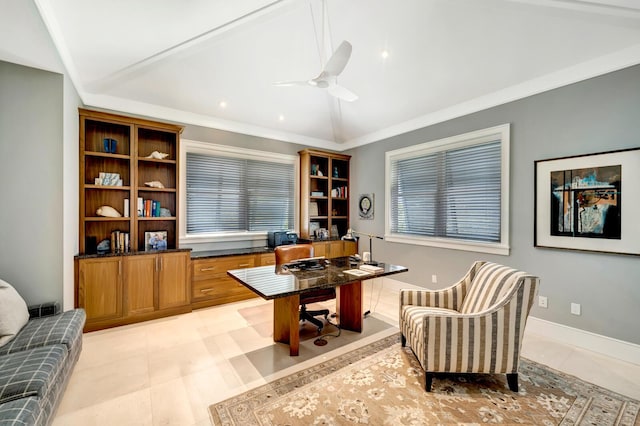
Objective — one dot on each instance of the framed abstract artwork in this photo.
(589, 202)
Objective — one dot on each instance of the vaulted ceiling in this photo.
(213, 62)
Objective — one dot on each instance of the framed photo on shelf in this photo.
(588, 202)
(313, 227)
(155, 240)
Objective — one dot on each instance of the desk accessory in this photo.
(349, 236)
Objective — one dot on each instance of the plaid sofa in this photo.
(474, 326)
(35, 367)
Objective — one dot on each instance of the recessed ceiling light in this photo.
(281, 117)
(223, 104)
(384, 54)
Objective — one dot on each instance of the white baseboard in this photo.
(614, 348)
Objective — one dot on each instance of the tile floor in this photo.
(168, 371)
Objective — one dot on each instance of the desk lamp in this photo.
(350, 236)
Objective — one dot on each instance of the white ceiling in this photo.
(178, 59)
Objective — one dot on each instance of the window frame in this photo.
(477, 137)
(206, 148)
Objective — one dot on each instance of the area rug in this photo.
(383, 384)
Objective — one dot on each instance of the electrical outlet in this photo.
(575, 308)
(542, 301)
(434, 278)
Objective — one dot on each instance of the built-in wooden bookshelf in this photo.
(129, 157)
(324, 192)
(129, 283)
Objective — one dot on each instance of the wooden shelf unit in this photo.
(324, 182)
(136, 140)
(125, 287)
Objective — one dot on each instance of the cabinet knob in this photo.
(243, 265)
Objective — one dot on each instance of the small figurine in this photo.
(155, 184)
(108, 211)
(158, 155)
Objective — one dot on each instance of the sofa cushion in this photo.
(64, 328)
(24, 411)
(14, 313)
(31, 373)
(491, 285)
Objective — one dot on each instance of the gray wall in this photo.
(596, 115)
(222, 137)
(31, 217)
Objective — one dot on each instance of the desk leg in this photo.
(286, 322)
(349, 306)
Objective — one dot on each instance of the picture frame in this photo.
(155, 240)
(313, 227)
(588, 202)
(366, 204)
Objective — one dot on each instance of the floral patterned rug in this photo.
(383, 384)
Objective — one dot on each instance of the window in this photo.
(231, 192)
(451, 193)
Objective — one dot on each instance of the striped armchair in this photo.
(473, 326)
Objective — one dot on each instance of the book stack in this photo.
(120, 242)
(148, 208)
(371, 268)
(339, 192)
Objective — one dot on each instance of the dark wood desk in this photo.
(285, 287)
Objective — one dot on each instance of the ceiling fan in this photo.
(327, 79)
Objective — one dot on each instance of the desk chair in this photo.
(289, 253)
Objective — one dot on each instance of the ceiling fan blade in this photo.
(338, 60)
(341, 93)
(291, 83)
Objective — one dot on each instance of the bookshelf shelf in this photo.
(107, 155)
(106, 219)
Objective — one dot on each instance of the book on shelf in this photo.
(126, 207)
(120, 242)
(313, 209)
(149, 208)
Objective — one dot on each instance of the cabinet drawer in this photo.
(210, 268)
(267, 259)
(224, 289)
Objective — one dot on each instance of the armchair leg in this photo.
(428, 380)
(403, 340)
(512, 380)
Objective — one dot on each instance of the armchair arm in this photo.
(449, 298)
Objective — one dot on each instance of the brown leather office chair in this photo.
(289, 253)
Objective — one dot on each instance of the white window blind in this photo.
(452, 194)
(450, 190)
(226, 194)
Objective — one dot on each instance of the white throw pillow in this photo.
(14, 313)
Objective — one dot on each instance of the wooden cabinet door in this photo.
(100, 288)
(349, 248)
(139, 280)
(173, 280)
